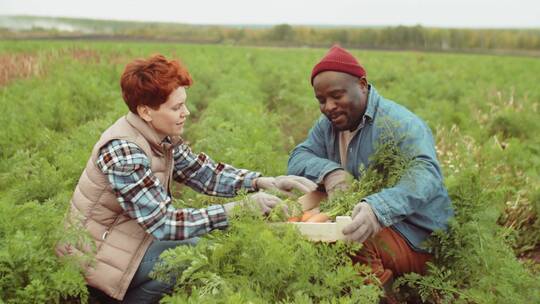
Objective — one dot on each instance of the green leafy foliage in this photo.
(473, 264)
(260, 262)
(29, 271)
(387, 166)
(250, 106)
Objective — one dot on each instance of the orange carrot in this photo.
(307, 215)
(319, 218)
(293, 219)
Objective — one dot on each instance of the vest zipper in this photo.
(170, 167)
(106, 233)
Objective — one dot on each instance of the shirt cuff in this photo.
(248, 181)
(217, 217)
(380, 208)
(329, 168)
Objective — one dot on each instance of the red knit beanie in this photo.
(339, 60)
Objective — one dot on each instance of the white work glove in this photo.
(261, 200)
(335, 181)
(364, 224)
(285, 184)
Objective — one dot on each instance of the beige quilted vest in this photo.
(120, 241)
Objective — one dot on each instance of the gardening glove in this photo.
(285, 184)
(364, 224)
(261, 200)
(335, 181)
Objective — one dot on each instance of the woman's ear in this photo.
(144, 112)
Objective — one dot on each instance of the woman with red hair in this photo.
(123, 197)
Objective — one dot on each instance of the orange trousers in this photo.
(389, 256)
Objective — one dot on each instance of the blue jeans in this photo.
(144, 289)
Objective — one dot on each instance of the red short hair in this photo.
(151, 81)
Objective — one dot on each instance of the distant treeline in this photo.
(399, 37)
(396, 37)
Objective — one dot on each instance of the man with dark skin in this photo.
(341, 97)
(393, 223)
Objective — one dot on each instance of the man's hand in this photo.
(285, 184)
(335, 181)
(364, 224)
(261, 200)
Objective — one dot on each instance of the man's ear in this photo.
(363, 83)
(144, 112)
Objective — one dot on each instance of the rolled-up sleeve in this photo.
(202, 174)
(310, 159)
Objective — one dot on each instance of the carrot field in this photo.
(249, 108)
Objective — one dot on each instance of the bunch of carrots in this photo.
(310, 216)
(291, 210)
(314, 215)
(294, 213)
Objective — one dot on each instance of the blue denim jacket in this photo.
(419, 203)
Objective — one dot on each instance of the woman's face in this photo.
(169, 118)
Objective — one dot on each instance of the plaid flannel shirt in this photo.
(144, 198)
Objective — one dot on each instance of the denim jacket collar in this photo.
(372, 103)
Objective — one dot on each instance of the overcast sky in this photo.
(441, 13)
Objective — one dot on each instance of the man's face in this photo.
(169, 118)
(342, 98)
